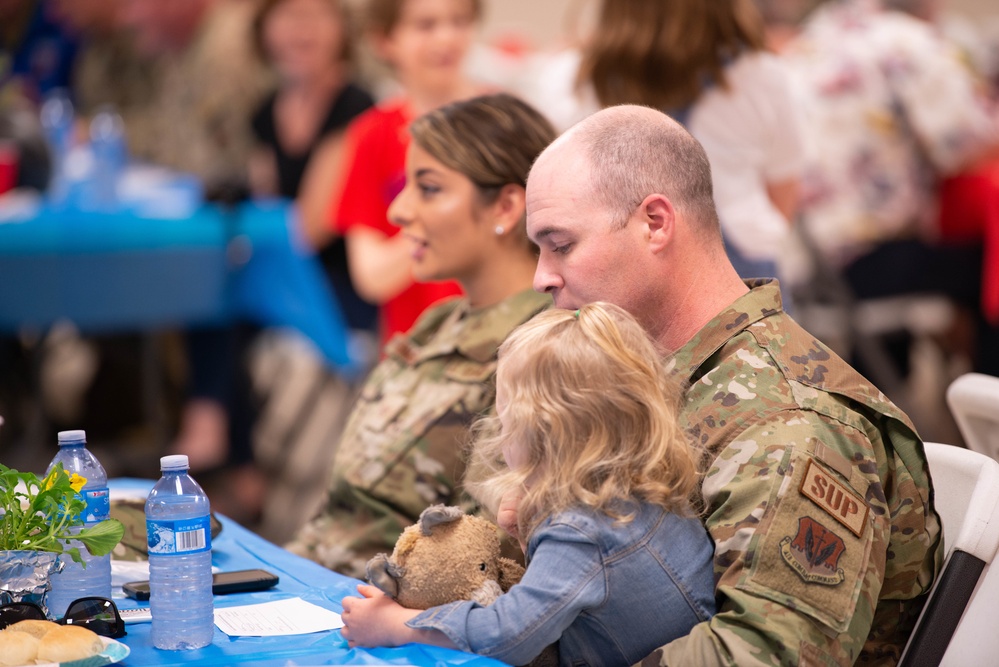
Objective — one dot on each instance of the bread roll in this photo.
(37, 629)
(17, 648)
(67, 643)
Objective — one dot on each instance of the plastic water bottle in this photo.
(76, 581)
(110, 153)
(180, 559)
(56, 117)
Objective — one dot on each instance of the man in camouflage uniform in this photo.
(816, 488)
(208, 85)
(403, 447)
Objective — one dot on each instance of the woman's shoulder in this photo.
(475, 333)
(382, 120)
(519, 307)
(549, 84)
(433, 318)
(757, 68)
(262, 120)
(751, 110)
(351, 103)
(485, 329)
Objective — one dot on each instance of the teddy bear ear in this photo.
(383, 574)
(436, 515)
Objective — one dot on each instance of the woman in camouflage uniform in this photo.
(463, 210)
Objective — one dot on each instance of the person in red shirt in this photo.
(425, 43)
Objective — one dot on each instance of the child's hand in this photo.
(508, 514)
(375, 619)
(378, 620)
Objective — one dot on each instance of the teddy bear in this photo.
(445, 557)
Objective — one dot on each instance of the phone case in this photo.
(137, 590)
(241, 581)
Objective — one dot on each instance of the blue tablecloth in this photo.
(110, 272)
(236, 548)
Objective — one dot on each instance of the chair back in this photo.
(957, 624)
(974, 401)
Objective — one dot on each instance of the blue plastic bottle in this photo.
(180, 559)
(57, 120)
(107, 142)
(76, 581)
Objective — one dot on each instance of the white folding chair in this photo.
(957, 627)
(974, 401)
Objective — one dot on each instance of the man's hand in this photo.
(375, 620)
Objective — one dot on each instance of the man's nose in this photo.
(546, 279)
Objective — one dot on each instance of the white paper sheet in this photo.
(293, 616)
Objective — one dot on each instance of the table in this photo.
(130, 271)
(236, 548)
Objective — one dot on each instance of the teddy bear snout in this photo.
(487, 593)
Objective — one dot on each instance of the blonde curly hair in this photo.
(585, 395)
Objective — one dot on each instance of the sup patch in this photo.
(836, 498)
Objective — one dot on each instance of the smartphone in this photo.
(241, 581)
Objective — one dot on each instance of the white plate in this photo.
(114, 651)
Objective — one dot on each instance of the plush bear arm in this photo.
(381, 573)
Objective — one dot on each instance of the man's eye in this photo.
(562, 249)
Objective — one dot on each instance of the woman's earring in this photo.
(499, 230)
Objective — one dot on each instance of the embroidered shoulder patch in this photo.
(814, 553)
(830, 562)
(836, 498)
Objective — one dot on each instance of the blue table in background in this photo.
(123, 271)
(236, 548)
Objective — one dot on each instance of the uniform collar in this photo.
(476, 333)
(762, 300)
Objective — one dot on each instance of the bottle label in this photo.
(185, 536)
(98, 504)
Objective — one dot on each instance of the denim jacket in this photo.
(609, 592)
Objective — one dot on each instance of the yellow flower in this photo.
(48, 481)
(77, 482)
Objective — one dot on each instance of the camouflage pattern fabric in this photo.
(403, 448)
(199, 118)
(109, 71)
(132, 514)
(816, 491)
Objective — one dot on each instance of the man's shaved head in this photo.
(634, 151)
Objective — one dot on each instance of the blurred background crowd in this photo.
(854, 146)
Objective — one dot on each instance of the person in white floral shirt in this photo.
(890, 108)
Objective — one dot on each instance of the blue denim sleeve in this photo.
(565, 576)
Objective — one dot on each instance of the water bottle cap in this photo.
(72, 437)
(174, 462)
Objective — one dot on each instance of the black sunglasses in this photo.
(99, 615)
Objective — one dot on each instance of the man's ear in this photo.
(659, 217)
(508, 209)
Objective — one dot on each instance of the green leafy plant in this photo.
(45, 514)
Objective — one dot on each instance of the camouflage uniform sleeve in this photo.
(801, 536)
